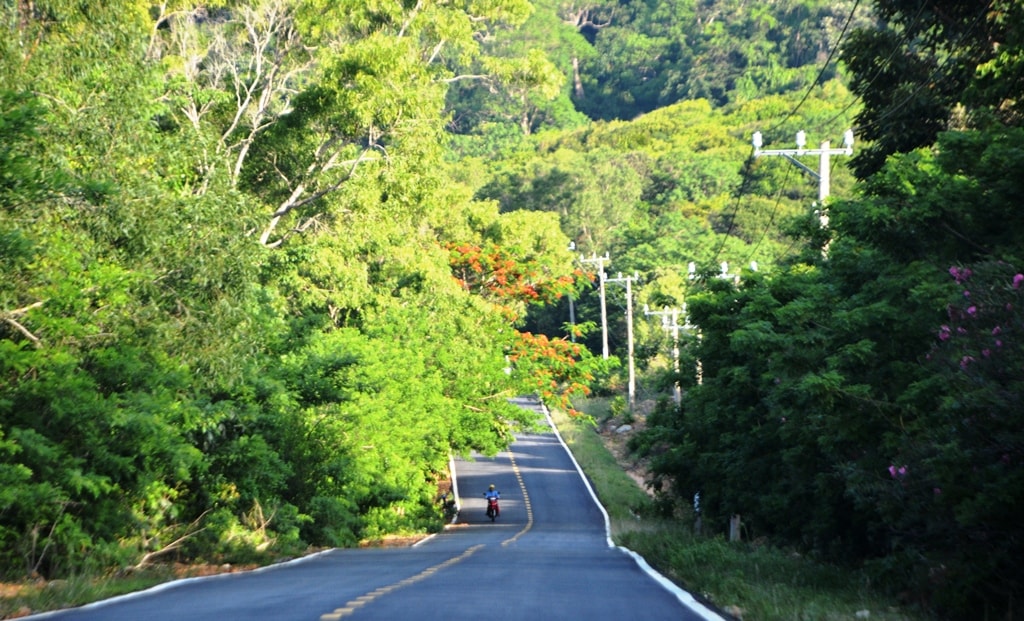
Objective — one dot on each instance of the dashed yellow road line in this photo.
(351, 606)
(526, 502)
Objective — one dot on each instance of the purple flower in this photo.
(967, 294)
(996, 330)
(902, 471)
(1018, 279)
(999, 343)
(959, 274)
(986, 353)
(892, 471)
(966, 360)
(972, 310)
(943, 332)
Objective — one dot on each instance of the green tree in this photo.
(836, 388)
(932, 66)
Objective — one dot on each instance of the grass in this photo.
(750, 582)
(18, 600)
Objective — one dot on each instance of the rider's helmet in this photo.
(491, 487)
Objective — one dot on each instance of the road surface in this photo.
(548, 556)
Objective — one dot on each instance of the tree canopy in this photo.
(268, 265)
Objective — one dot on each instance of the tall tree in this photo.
(934, 65)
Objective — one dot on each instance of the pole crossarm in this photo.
(665, 314)
(801, 141)
(822, 174)
(624, 279)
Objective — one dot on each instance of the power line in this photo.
(903, 38)
(892, 110)
(740, 192)
(932, 78)
(821, 73)
(771, 218)
(745, 171)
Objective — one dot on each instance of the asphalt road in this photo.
(548, 556)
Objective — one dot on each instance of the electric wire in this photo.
(933, 77)
(901, 40)
(740, 192)
(821, 72)
(745, 171)
(771, 218)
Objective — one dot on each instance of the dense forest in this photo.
(268, 265)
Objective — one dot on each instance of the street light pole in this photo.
(600, 261)
(629, 332)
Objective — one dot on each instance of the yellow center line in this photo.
(352, 605)
(526, 502)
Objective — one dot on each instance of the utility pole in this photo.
(689, 329)
(629, 332)
(572, 320)
(823, 172)
(672, 325)
(572, 309)
(600, 261)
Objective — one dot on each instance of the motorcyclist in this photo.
(495, 494)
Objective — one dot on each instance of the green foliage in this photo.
(228, 317)
(652, 55)
(927, 68)
(183, 377)
(842, 396)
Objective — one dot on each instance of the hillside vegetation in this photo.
(267, 265)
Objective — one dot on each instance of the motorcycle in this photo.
(492, 508)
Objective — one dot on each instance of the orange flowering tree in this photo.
(553, 367)
(556, 369)
(509, 281)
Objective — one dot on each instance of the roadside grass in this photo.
(745, 580)
(18, 600)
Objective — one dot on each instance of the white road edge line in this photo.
(685, 598)
(164, 586)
